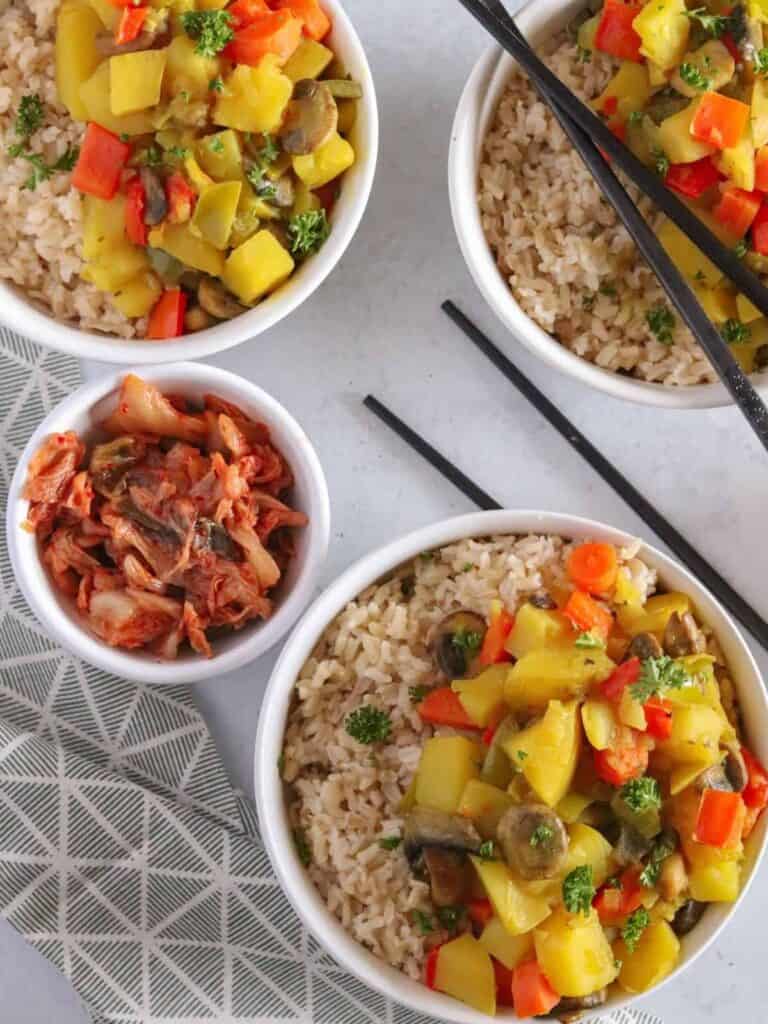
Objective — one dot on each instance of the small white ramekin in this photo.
(80, 412)
(20, 314)
(538, 20)
(275, 828)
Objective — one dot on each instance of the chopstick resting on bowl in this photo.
(679, 292)
(674, 540)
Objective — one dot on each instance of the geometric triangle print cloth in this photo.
(126, 858)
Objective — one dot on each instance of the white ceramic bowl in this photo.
(538, 20)
(80, 412)
(275, 829)
(19, 314)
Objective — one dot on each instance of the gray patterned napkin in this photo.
(126, 858)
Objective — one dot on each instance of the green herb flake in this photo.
(657, 674)
(307, 232)
(579, 890)
(449, 917)
(606, 288)
(641, 794)
(467, 567)
(211, 30)
(417, 693)
(29, 116)
(423, 922)
(636, 116)
(664, 846)
(216, 84)
(522, 755)
(588, 642)
(693, 76)
(216, 145)
(583, 55)
(124, 137)
(660, 162)
(541, 835)
(635, 925)
(390, 842)
(368, 725)
(487, 850)
(661, 322)
(467, 640)
(760, 61)
(302, 847)
(714, 25)
(735, 332)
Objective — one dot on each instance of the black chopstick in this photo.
(680, 294)
(652, 518)
(648, 182)
(432, 455)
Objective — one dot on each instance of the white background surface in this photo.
(376, 326)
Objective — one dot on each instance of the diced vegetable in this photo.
(615, 902)
(653, 616)
(254, 98)
(309, 60)
(77, 26)
(714, 882)
(588, 615)
(167, 318)
(676, 140)
(600, 725)
(215, 213)
(755, 794)
(181, 198)
(537, 628)
(694, 179)
(179, 241)
(545, 675)
(593, 567)
(493, 649)
(509, 950)
(482, 697)
(695, 735)
(719, 121)
(137, 296)
(100, 163)
(103, 226)
(315, 22)
(547, 751)
(187, 71)
(737, 209)
(517, 908)
(481, 912)
(276, 33)
(122, 264)
(464, 971)
(131, 22)
(626, 759)
(329, 161)
(587, 846)
(446, 766)
(631, 711)
(630, 90)
(760, 233)
(442, 706)
(574, 953)
(615, 32)
(257, 267)
(623, 675)
(664, 29)
(95, 95)
(135, 205)
(711, 66)
(653, 958)
(484, 805)
(694, 265)
(243, 12)
(532, 993)
(135, 80)
(658, 716)
(738, 162)
(720, 819)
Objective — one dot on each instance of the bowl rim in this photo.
(462, 185)
(274, 825)
(77, 639)
(20, 314)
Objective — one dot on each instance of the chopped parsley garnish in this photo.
(302, 847)
(606, 288)
(614, 882)
(760, 61)
(216, 84)
(487, 850)
(177, 153)
(541, 835)
(522, 754)
(661, 321)
(390, 842)
(735, 332)
(693, 76)
(713, 24)
(262, 186)
(29, 116)
(212, 30)
(467, 567)
(641, 794)
(307, 232)
(579, 890)
(467, 640)
(649, 876)
(368, 725)
(583, 55)
(635, 925)
(660, 162)
(740, 249)
(423, 922)
(449, 917)
(152, 156)
(636, 116)
(216, 145)
(29, 119)
(656, 674)
(662, 848)
(417, 693)
(270, 151)
(588, 642)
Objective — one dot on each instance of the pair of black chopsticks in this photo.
(586, 132)
(687, 554)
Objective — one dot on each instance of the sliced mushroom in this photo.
(682, 636)
(149, 40)
(343, 88)
(196, 319)
(533, 840)
(687, 917)
(284, 192)
(571, 1007)
(735, 768)
(761, 357)
(450, 875)
(216, 300)
(714, 777)
(310, 119)
(542, 600)
(448, 646)
(425, 827)
(156, 203)
(631, 846)
(664, 104)
(747, 33)
(644, 646)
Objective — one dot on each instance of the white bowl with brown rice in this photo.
(542, 244)
(360, 641)
(41, 294)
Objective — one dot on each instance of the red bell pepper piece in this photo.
(587, 615)
(443, 707)
(430, 967)
(136, 203)
(719, 120)
(131, 23)
(692, 180)
(490, 732)
(658, 717)
(614, 904)
(181, 198)
(243, 12)
(615, 34)
(761, 169)
(492, 652)
(532, 993)
(627, 759)
(730, 44)
(760, 231)
(610, 105)
(316, 22)
(167, 318)
(720, 819)
(619, 129)
(100, 163)
(504, 981)
(480, 911)
(275, 32)
(623, 675)
(737, 209)
(755, 794)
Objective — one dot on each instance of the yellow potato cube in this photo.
(720, 303)
(631, 88)
(95, 96)
(509, 950)
(215, 213)
(103, 226)
(197, 176)
(758, 115)
(135, 80)
(574, 953)
(464, 971)
(329, 161)
(676, 140)
(738, 162)
(77, 58)
(572, 806)
(695, 736)
(715, 882)
(664, 29)
(746, 311)
(220, 155)
(653, 616)
(631, 711)
(187, 71)
(308, 60)
(482, 697)
(256, 267)
(653, 958)
(179, 241)
(484, 804)
(587, 846)
(537, 628)
(545, 675)
(518, 910)
(446, 766)
(600, 725)
(548, 750)
(121, 263)
(254, 99)
(137, 296)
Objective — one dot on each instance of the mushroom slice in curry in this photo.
(425, 827)
(455, 640)
(682, 636)
(533, 840)
(310, 119)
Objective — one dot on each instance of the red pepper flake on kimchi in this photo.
(169, 529)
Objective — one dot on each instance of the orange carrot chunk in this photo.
(587, 615)
(593, 567)
(719, 120)
(275, 32)
(737, 209)
(443, 707)
(532, 993)
(720, 819)
(316, 22)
